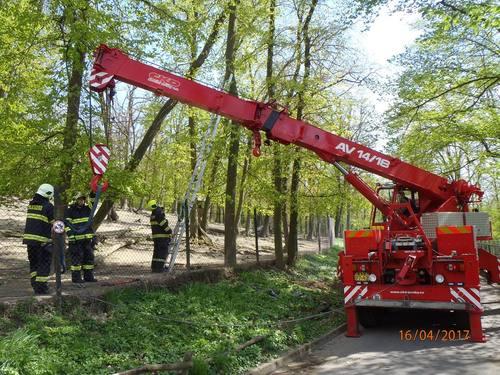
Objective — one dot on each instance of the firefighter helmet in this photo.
(46, 191)
(152, 204)
(79, 195)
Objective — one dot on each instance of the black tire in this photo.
(368, 317)
(461, 319)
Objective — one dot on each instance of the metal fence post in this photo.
(256, 234)
(188, 246)
(319, 235)
(58, 242)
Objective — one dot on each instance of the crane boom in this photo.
(436, 192)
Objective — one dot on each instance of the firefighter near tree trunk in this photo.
(37, 237)
(162, 234)
(81, 239)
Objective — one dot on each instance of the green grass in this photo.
(159, 326)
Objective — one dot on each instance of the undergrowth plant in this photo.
(136, 327)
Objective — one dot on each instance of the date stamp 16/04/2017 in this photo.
(434, 335)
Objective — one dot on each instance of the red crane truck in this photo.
(421, 250)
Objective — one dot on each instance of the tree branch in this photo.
(453, 7)
(452, 89)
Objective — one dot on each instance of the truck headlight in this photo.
(439, 278)
(372, 278)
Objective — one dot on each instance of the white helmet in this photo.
(46, 191)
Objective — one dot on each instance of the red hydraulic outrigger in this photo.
(420, 252)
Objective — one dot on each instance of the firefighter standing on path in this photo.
(80, 238)
(37, 237)
(162, 235)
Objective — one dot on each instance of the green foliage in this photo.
(446, 118)
(158, 326)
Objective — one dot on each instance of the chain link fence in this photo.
(124, 248)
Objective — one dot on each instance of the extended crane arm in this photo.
(435, 191)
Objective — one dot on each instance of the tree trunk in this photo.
(310, 228)
(193, 216)
(278, 203)
(294, 209)
(193, 221)
(208, 200)
(113, 215)
(338, 222)
(294, 213)
(230, 232)
(248, 223)
(284, 219)
(124, 204)
(161, 115)
(331, 237)
(75, 58)
(264, 229)
(141, 203)
(219, 216)
(348, 217)
(205, 214)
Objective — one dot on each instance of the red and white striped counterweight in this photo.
(99, 155)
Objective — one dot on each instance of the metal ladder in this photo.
(192, 191)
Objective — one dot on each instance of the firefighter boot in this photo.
(88, 276)
(41, 288)
(76, 277)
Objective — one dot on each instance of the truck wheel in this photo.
(368, 318)
(461, 319)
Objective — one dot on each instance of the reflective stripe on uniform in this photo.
(78, 237)
(42, 279)
(38, 217)
(76, 268)
(153, 222)
(34, 237)
(162, 235)
(158, 260)
(163, 222)
(79, 220)
(33, 274)
(88, 266)
(35, 207)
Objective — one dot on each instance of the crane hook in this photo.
(256, 143)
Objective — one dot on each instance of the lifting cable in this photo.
(96, 187)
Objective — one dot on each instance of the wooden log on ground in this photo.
(182, 367)
(114, 248)
(114, 233)
(215, 230)
(246, 344)
(250, 342)
(205, 237)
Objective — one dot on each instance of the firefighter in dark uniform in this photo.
(162, 235)
(37, 237)
(80, 239)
